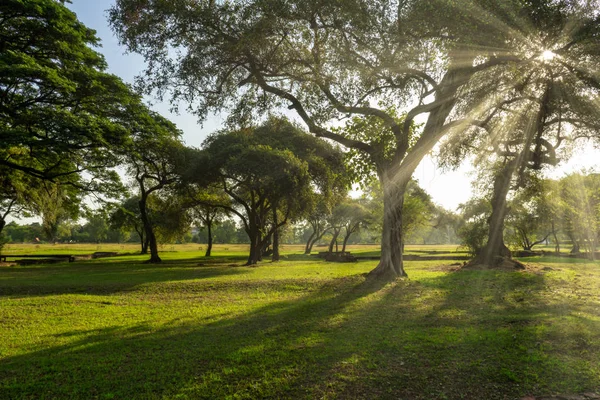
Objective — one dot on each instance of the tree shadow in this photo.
(469, 334)
(101, 278)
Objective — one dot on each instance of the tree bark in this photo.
(495, 251)
(210, 238)
(308, 247)
(346, 237)
(150, 237)
(336, 232)
(391, 265)
(556, 242)
(275, 255)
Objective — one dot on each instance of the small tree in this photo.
(152, 158)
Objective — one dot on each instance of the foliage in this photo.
(473, 232)
(55, 204)
(580, 207)
(272, 168)
(59, 109)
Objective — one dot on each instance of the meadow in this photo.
(195, 327)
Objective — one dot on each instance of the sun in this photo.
(547, 55)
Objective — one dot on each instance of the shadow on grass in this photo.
(469, 334)
(108, 277)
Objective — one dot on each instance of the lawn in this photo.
(191, 327)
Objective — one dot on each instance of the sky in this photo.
(448, 188)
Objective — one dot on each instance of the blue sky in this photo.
(93, 14)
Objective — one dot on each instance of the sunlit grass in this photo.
(300, 328)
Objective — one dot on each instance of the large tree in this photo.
(331, 60)
(269, 174)
(151, 158)
(551, 99)
(59, 109)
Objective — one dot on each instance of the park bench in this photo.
(69, 257)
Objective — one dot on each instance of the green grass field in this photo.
(191, 327)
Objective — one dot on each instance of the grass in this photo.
(301, 328)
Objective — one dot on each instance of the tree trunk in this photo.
(2, 225)
(150, 237)
(308, 247)
(275, 255)
(210, 238)
(556, 242)
(318, 237)
(495, 251)
(336, 232)
(145, 245)
(256, 245)
(391, 265)
(346, 237)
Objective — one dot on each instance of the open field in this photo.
(191, 328)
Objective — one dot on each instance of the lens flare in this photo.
(547, 55)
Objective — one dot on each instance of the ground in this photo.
(192, 327)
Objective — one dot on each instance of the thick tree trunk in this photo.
(150, 237)
(145, 245)
(210, 238)
(2, 225)
(495, 251)
(275, 255)
(256, 245)
(391, 265)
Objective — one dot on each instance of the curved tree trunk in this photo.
(495, 251)
(150, 237)
(315, 240)
(308, 247)
(346, 237)
(336, 233)
(391, 265)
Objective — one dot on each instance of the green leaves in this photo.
(59, 110)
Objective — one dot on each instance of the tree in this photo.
(356, 217)
(151, 158)
(269, 174)
(317, 220)
(55, 204)
(473, 230)
(530, 217)
(127, 216)
(16, 190)
(258, 179)
(59, 109)
(550, 99)
(327, 61)
(581, 210)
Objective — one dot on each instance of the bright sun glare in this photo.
(547, 55)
